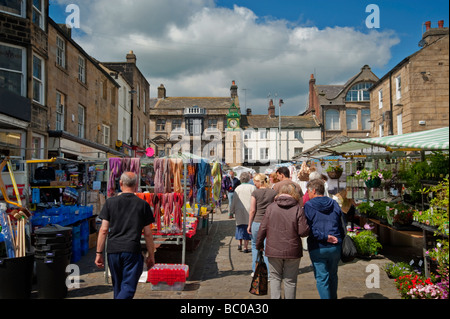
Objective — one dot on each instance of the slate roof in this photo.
(264, 121)
(202, 102)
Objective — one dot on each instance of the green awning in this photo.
(431, 140)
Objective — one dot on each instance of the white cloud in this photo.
(197, 49)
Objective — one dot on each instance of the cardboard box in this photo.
(93, 240)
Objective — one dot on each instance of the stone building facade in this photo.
(82, 99)
(23, 62)
(139, 98)
(414, 95)
(199, 124)
(343, 109)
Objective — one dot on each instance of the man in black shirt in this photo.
(124, 218)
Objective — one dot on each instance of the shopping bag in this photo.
(260, 277)
(349, 251)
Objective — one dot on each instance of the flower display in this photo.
(373, 174)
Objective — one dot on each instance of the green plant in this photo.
(395, 270)
(334, 168)
(367, 243)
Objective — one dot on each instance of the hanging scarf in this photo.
(192, 169)
(179, 202)
(204, 170)
(217, 183)
(159, 181)
(176, 165)
(157, 210)
(115, 171)
(167, 175)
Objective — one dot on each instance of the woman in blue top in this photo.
(325, 239)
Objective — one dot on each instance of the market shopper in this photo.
(325, 240)
(230, 183)
(124, 218)
(283, 226)
(284, 177)
(240, 208)
(273, 179)
(262, 197)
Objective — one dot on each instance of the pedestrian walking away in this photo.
(240, 207)
(283, 226)
(124, 218)
(325, 239)
(284, 177)
(262, 197)
(230, 183)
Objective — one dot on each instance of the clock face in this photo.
(233, 123)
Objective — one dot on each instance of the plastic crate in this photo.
(168, 277)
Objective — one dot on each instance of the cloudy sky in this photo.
(197, 47)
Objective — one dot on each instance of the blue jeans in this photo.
(126, 269)
(255, 230)
(325, 262)
(230, 199)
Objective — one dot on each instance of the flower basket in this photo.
(334, 174)
(373, 183)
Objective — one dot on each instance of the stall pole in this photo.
(183, 257)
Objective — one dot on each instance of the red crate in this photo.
(168, 273)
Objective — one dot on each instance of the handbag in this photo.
(260, 278)
(348, 250)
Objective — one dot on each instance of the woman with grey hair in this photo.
(240, 208)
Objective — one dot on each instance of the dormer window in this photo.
(359, 92)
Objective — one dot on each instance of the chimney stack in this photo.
(234, 90)
(441, 24)
(428, 25)
(161, 92)
(131, 57)
(249, 112)
(271, 109)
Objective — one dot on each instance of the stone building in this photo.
(139, 97)
(413, 96)
(196, 125)
(263, 143)
(23, 62)
(82, 100)
(343, 109)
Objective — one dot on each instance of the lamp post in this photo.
(280, 103)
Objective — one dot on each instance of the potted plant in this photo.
(372, 178)
(367, 244)
(334, 171)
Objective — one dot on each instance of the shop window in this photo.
(15, 7)
(352, 119)
(38, 80)
(399, 124)
(332, 120)
(176, 125)
(12, 143)
(380, 99)
(13, 68)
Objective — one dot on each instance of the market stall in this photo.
(405, 187)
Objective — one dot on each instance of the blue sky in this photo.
(197, 47)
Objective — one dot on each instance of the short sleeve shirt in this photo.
(127, 215)
(264, 197)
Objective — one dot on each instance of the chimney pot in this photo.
(441, 24)
(428, 25)
(249, 111)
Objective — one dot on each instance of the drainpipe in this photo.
(391, 120)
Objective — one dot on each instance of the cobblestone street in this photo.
(219, 271)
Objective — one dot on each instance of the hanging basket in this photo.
(374, 182)
(334, 174)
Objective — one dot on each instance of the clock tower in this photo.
(234, 146)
